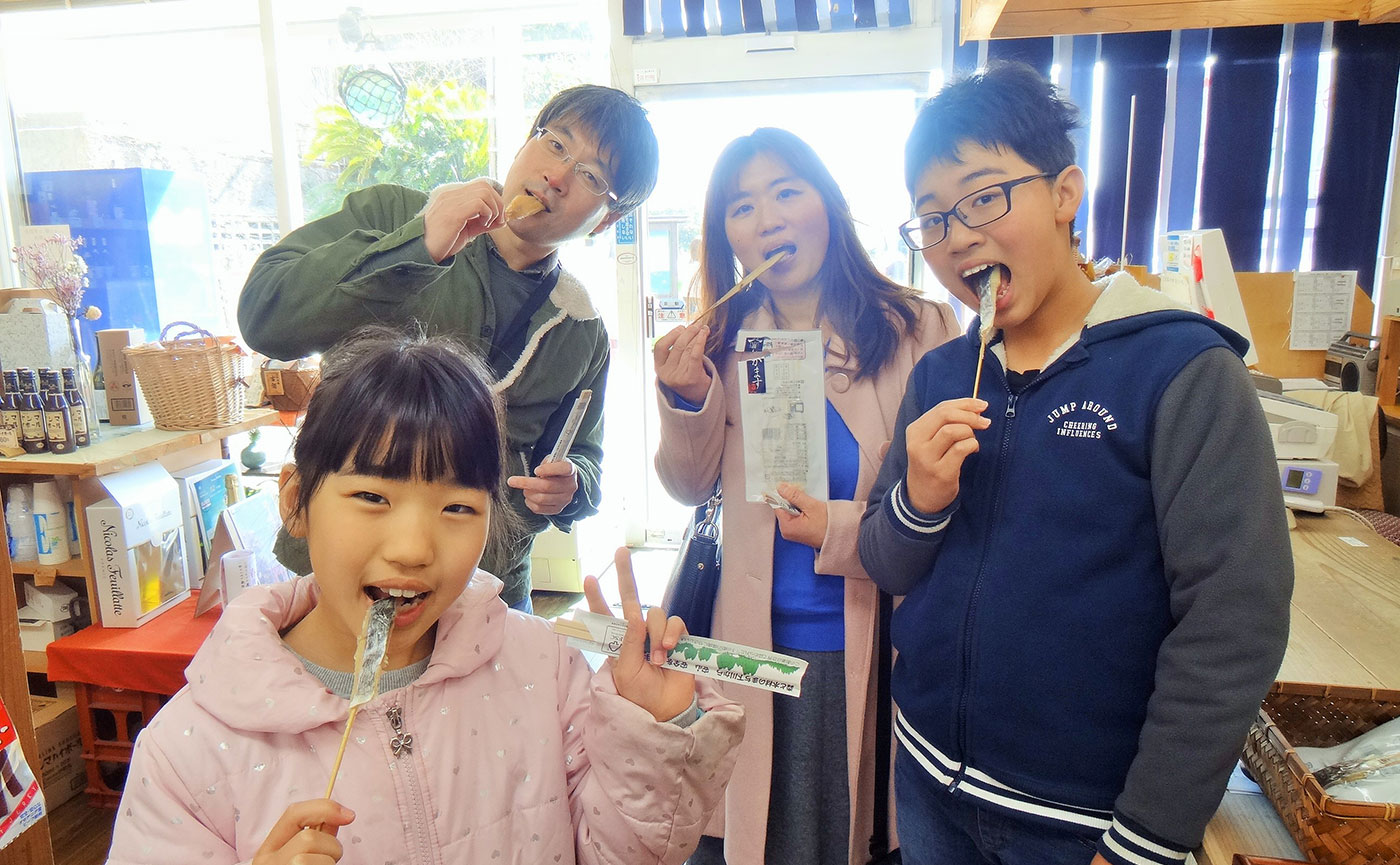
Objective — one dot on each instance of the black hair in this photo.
(397, 404)
(1008, 105)
(626, 141)
(867, 309)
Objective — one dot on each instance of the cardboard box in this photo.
(206, 489)
(36, 632)
(138, 549)
(126, 406)
(61, 772)
(52, 603)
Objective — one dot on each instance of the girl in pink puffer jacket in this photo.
(490, 741)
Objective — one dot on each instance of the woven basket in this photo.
(191, 381)
(1327, 830)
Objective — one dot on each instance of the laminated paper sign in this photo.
(782, 402)
(21, 801)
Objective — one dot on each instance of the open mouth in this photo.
(408, 598)
(788, 248)
(992, 277)
(542, 202)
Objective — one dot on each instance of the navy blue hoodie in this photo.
(1061, 623)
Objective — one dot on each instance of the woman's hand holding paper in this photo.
(807, 528)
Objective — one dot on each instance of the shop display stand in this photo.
(119, 448)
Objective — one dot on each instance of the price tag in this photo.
(272, 382)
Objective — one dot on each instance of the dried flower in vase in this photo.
(54, 265)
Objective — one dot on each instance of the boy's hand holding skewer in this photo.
(936, 444)
(663, 692)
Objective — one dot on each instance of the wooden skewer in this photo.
(568, 628)
(977, 381)
(340, 755)
(742, 284)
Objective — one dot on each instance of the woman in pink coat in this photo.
(803, 790)
(490, 740)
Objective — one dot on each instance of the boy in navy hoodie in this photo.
(1094, 552)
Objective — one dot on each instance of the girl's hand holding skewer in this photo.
(936, 444)
(679, 357)
(305, 835)
(663, 692)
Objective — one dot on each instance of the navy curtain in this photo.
(687, 17)
(1193, 47)
(1036, 52)
(1239, 137)
(1135, 65)
(1354, 170)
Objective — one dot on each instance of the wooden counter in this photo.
(1345, 630)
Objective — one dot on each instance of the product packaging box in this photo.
(61, 771)
(36, 632)
(51, 603)
(138, 550)
(126, 406)
(248, 526)
(206, 489)
(34, 332)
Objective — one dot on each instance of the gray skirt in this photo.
(809, 806)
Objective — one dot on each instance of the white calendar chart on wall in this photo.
(782, 403)
(1321, 308)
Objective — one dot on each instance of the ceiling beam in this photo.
(1382, 12)
(1019, 18)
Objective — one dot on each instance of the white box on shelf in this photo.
(138, 550)
(34, 332)
(36, 632)
(53, 603)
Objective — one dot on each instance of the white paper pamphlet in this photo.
(713, 659)
(782, 402)
(1321, 308)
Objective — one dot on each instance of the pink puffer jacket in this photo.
(520, 753)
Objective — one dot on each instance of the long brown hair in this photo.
(867, 309)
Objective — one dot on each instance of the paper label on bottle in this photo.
(54, 427)
(9, 438)
(32, 426)
(79, 416)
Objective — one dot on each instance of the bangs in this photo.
(402, 411)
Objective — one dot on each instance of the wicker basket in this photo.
(191, 381)
(1327, 830)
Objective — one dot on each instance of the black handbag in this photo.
(694, 582)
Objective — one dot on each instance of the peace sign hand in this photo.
(644, 681)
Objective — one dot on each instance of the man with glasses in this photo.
(454, 262)
(1093, 555)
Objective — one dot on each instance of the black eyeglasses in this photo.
(974, 210)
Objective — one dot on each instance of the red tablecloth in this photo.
(150, 658)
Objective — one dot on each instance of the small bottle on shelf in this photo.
(58, 419)
(76, 407)
(9, 404)
(31, 414)
(50, 524)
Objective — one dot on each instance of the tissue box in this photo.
(126, 405)
(62, 774)
(52, 603)
(36, 632)
(138, 550)
(34, 332)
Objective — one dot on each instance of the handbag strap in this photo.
(509, 343)
(880, 835)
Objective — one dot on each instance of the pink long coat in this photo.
(520, 753)
(698, 446)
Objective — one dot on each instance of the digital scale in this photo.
(1308, 485)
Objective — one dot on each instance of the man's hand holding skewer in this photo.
(936, 444)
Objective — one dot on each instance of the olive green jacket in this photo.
(367, 264)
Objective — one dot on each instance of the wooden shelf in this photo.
(1008, 19)
(74, 567)
(126, 447)
(36, 662)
